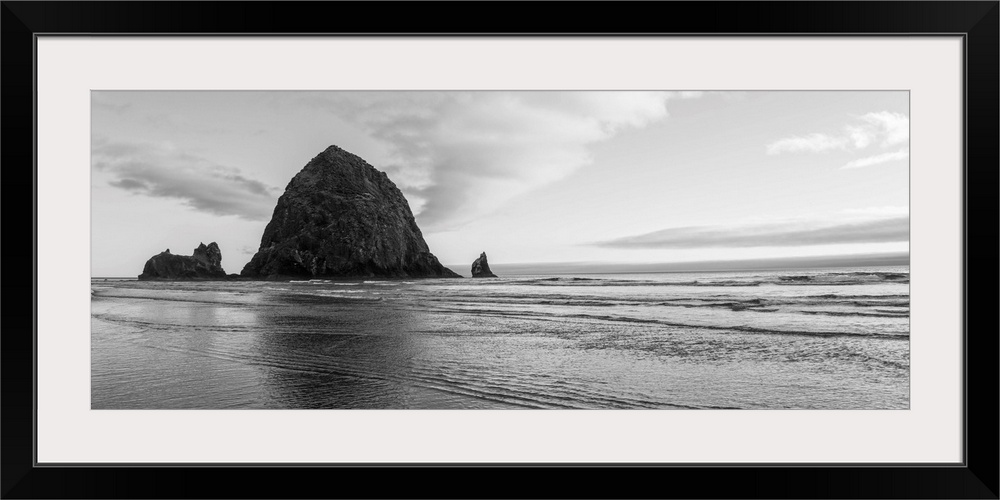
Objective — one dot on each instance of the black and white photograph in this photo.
(500, 250)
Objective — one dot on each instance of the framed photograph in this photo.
(727, 250)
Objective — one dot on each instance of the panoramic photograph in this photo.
(495, 250)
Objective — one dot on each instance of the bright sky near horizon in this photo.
(528, 177)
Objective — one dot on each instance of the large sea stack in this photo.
(481, 268)
(340, 217)
(204, 264)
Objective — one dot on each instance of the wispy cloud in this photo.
(458, 155)
(868, 161)
(162, 171)
(883, 129)
(781, 234)
(812, 143)
(886, 128)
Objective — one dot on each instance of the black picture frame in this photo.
(976, 22)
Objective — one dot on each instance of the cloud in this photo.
(889, 128)
(458, 155)
(781, 234)
(868, 161)
(162, 171)
(813, 143)
(884, 129)
(129, 184)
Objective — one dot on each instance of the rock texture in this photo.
(204, 264)
(481, 268)
(340, 217)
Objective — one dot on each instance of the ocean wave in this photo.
(588, 303)
(851, 278)
(757, 305)
(193, 300)
(652, 321)
(328, 298)
(596, 282)
(860, 314)
(731, 302)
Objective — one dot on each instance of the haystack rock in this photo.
(204, 264)
(481, 268)
(340, 217)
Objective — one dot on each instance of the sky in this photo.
(589, 178)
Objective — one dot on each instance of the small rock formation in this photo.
(340, 217)
(481, 268)
(204, 264)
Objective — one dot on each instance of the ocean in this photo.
(797, 339)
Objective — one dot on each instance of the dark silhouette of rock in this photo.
(204, 264)
(340, 217)
(481, 268)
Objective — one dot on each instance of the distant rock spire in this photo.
(481, 268)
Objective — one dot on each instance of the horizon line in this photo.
(773, 263)
(798, 262)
